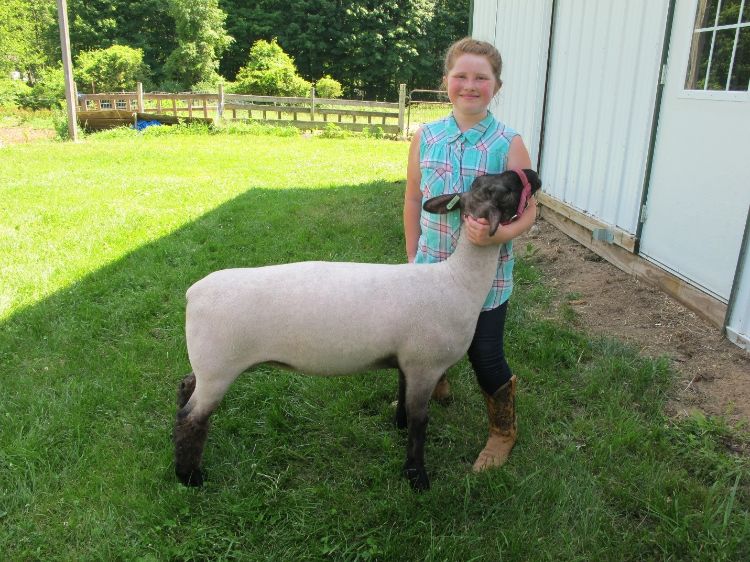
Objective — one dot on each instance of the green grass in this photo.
(98, 242)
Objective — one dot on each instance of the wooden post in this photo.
(62, 17)
(312, 105)
(139, 93)
(401, 107)
(220, 103)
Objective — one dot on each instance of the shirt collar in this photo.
(470, 136)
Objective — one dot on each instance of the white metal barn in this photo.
(637, 115)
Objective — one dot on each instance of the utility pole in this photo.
(70, 97)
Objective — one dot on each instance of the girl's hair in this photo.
(471, 46)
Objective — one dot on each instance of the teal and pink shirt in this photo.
(450, 160)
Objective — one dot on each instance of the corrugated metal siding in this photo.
(483, 20)
(600, 103)
(522, 36)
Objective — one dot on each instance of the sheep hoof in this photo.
(417, 477)
(193, 478)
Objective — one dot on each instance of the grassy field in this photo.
(98, 242)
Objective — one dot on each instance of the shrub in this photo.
(115, 69)
(327, 87)
(210, 85)
(270, 72)
(11, 91)
(333, 131)
(47, 92)
(376, 133)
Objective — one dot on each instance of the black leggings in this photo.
(486, 352)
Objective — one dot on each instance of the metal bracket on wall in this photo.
(603, 235)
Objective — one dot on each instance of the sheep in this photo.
(331, 318)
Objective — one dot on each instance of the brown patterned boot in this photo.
(501, 410)
(442, 393)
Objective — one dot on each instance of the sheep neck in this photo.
(474, 267)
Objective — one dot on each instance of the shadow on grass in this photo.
(107, 351)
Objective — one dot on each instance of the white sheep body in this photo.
(333, 318)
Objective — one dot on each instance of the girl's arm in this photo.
(412, 199)
(478, 229)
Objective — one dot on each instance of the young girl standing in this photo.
(445, 157)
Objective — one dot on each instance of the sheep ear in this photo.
(494, 220)
(534, 180)
(443, 203)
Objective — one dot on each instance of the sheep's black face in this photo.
(496, 197)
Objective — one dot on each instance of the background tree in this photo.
(27, 43)
(371, 46)
(141, 24)
(270, 72)
(201, 40)
(115, 69)
(327, 87)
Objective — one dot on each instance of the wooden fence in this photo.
(303, 112)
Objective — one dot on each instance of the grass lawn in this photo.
(98, 242)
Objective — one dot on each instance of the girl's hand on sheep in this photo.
(478, 231)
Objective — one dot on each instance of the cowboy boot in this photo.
(442, 392)
(501, 410)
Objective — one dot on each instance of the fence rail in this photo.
(303, 112)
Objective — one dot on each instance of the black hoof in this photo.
(194, 478)
(417, 477)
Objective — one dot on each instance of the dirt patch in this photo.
(715, 374)
(19, 135)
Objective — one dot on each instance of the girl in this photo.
(445, 156)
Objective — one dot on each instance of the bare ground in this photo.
(714, 373)
(20, 135)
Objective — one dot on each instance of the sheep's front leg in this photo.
(418, 390)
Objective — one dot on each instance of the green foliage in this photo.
(201, 40)
(27, 36)
(270, 72)
(60, 123)
(11, 92)
(370, 46)
(211, 85)
(333, 131)
(115, 69)
(376, 133)
(47, 92)
(141, 24)
(327, 87)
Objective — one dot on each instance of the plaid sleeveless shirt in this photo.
(450, 161)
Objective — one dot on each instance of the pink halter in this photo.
(525, 194)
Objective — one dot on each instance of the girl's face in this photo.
(471, 84)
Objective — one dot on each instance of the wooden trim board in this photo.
(696, 300)
(621, 238)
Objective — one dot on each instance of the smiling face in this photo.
(471, 85)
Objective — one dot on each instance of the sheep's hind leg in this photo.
(190, 433)
(418, 390)
(196, 404)
(400, 419)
